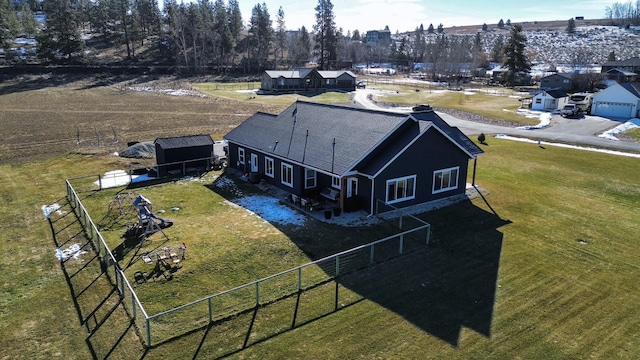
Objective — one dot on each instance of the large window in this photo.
(309, 178)
(268, 167)
(401, 189)
(286, 174)
(444, 180)
(241, 156)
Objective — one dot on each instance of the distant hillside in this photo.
(554, 25)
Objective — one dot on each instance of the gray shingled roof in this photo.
(331, 138)
(176, 142)
(634, 61)
(303, 72)
(633, 88)
(556, 93)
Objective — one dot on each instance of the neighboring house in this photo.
(378, 37)
(621, 75)
(620, 101)
(176, 155)
(631, 65)
(357, 159)
(307, 79)
(549, 100)
(563, 81)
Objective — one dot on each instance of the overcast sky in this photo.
(406, 15)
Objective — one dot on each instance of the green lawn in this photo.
(550, 275)
(544, 267)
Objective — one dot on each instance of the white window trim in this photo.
(269, 161)
(241, 155)
(451, 187)
(284, 166)
(335, 182)
(396, 181)
(306, 178)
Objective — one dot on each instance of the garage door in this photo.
(613, 109)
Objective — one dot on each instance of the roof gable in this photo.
(176, 142)
(556, 93)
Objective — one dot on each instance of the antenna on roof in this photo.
(333, 154)
(275, 146)
(304, 152)
(293, 128)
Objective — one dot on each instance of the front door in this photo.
(254, 163)
(352, 187)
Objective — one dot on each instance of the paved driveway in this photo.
(582, 130)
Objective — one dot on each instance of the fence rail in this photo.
(188, 317)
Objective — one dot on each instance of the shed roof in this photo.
(176, 142)
(556, 93)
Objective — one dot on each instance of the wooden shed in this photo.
(177, 155)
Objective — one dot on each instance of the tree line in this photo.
(211, 36)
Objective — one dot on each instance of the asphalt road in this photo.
(580, 131)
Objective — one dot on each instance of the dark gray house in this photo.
(176, 154)
(307, 80)
(355, 159)
(562, 81)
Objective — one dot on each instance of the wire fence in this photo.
(183, 319)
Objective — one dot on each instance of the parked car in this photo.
(361, 85)
(422, 107)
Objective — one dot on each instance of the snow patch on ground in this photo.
(48, 209)
(543, 117)
(611, 133)
(171, 92)
(270, 209)
(605, 151)
(115, 178)
(73, 251)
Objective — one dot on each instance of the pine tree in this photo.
(571, 26)
(9, 25)
(61, 34)
(440, 28)
(280, 37)
(485, 27)
(612, 56)
(325, 34)
(430, 29)
(515, 58)
(500, 24)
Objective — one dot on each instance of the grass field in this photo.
(544, 267)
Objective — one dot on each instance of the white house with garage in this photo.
(618, 101)
(549, 100)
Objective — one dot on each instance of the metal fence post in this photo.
(210, 310)
(401, 243)
(257, 293)
(148, 332)
(372, 254)
(299, 278)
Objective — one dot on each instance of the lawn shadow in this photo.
(447, 286)
(97, 302)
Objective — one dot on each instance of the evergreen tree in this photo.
(280, 37)
(500, 24)
(497, 50)
(611, 56)
(508, 22)
(430, 29)
(440, 28)
(260, 37)
(515, 58)
(356, 35)
(485, 27)
(325, 34)
(9, 26)
(571, 26)
(61, 34)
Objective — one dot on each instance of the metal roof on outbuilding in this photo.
(176, 142)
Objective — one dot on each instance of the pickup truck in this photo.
(570, 110)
